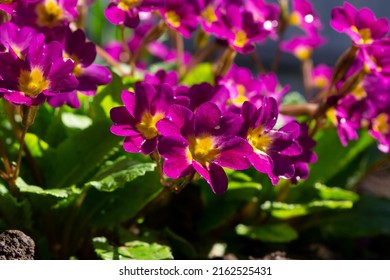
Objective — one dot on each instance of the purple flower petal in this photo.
(132, 144)
(162, 100)
(261, 162)
(178, 122)
(68, 98)
(176, 161)
(234, 156)
(218, 179)
(215, 176)
(207, 118)
(144, 94)
(114, 14)
(92, 77)
(149, 146)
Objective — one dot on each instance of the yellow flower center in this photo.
(367, 66)
(320, 82)
(147, 126)
(77, 70)
(202, 149)
(241, 39)
(295, 18)
(6, 1)
(241, 98)
(172, 18)
(128, 4)
(209, 15)
(365, 35)
(303, 53)
(381, 124)
(258, 140)
(359, 92)
(32, 83)
(331, 114)
(49, 13)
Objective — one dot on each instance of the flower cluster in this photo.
(304, 17)
(43, 58)
(240, 24)
(205, 128)
(364, 99)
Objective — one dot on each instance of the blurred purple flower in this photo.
(302, 47)
(360, 25)
(126, 12)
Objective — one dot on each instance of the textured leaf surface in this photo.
(269, 232)
(135, 250)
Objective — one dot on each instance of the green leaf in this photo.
(333, 158)
(280, 233)
(123, 203)
(135, 250)
(36, 146)
(327, 193)
(119, 173)
(369, 217)
(321, 198)
(14, 213)
(203, 72)
(25, 188)
(74, 158)
(75, 121)
(287, 211)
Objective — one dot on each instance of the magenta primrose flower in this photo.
(15, 40)
(43, 73)
(51, 13)
(162, 77)
(241, 84)
(126, 12)
(49, 17)
(380, 130)
(203, 142)
(304, 16)
(137, 120)
(376, 58)
(10, 6)
(321, 76)
(201, 93)
(240, 29)
(273, 151)
(89, 75)
(266, 14)
(302, 46)
(181, 15)
(360, 25)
